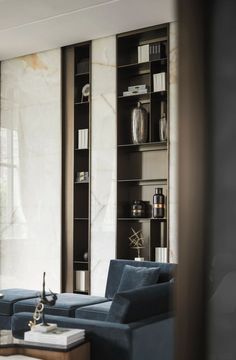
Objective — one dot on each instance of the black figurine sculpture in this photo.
(39, 310)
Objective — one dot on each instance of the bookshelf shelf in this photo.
(77, 126)
(141, 167)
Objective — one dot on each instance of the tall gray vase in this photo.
(139, 125)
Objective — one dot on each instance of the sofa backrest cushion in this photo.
(116, 270)
(134, 277)
(138, 304)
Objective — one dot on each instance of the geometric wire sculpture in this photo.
(137, 241)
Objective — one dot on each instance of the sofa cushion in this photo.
(134, 305)
(135, 276)
(94, 312)
(11, 296)
(116, 270)
(66, 304)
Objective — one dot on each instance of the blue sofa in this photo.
(132, 324)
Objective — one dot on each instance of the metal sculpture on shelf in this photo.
(137, 242)
(39, 310)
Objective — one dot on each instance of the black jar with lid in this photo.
(138, 209)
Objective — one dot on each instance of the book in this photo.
(58, 336)
(156, 51)
(83, 139)
(159, 82)
(143, 53)
(161, 254)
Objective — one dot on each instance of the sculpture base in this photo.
(139, 259)
(43, 328)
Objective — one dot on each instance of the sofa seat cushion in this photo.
(138, 304)
(66, 304)
(11, 296)
(94, 312)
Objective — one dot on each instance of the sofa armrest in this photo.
(113, 341)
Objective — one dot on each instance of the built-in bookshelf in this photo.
(76, 162)
(142, 59)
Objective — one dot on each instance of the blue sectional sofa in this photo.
(132, 324)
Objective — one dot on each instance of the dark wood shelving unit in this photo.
(141, 167)
(77, 116)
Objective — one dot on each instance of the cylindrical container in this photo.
(138, 208)
(158, 204)
(139, 125)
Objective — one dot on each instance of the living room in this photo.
(108, 170)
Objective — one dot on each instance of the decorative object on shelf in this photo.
(39, 311)
(136, 90)
(163, 124)
(158, 204)
(138, 209)
(137, 243)
(83, 135)
(85, 92)
(159, 82)
(139, 125)
(82, 280)
(82, 176)
(85, 256)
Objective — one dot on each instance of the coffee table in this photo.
(12, 346)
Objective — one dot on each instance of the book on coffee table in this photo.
(58, 336)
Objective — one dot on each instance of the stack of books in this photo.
(159, 82)
(161, 254)
(143, 53)
(59, 337)
(150, 52)
(156, 51)
(136, 90)
(83, 139)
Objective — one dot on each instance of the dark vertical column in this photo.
(192, 182)
(222, 220)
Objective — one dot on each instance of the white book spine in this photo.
(86, 138)
(139, 54)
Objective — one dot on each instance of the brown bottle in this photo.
(158, 204)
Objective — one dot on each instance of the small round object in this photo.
(86, 90)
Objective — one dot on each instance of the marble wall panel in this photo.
(103, 161)
(30, 223)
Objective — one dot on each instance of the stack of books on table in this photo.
(59, 337)
(83, 139)
(159, 82)
(161, 254)
(136, 90)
